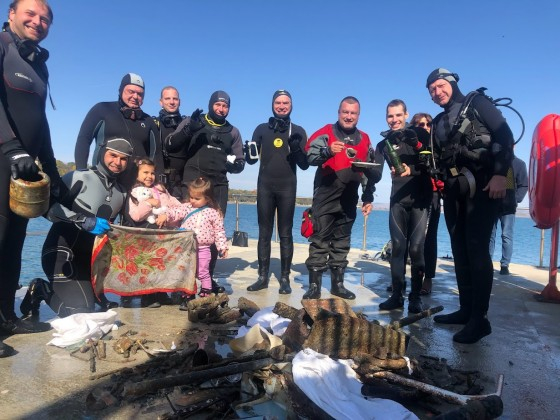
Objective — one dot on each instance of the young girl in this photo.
(137, 213)
(202, 215)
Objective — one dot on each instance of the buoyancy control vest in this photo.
(209, 149)
(469, 139)
(341, 163)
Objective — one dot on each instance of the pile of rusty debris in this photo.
(192, 379)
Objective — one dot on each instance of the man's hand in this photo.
(410, 138)
(496, 187)
(21, 164)
(336, 147)
(406, 171)
(96, 225)
(295, 142)
(195, 122)
(367, 208)
(194, 125)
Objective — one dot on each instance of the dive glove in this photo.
(295, 142)
(96, 225)
(22, 165)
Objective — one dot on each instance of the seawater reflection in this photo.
(526, 237)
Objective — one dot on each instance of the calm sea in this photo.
(527, 238)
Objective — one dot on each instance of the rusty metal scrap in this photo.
(343, 337)
(338, 306)
(438, 392)
(297, 331)
(285, 311)
(247, 307)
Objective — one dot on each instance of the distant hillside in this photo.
(250, 196)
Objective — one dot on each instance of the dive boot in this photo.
(37, 291)
(261, 283)
(105, 303)
(475, 329)
(414, 300)
(337, 284)
(315, 280)
(396, 301)
(23, 326)
(285, 288)
(285, 264)
(5, 350)
(216, 288)
(458, 317)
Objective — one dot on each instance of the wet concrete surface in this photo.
(46, 382)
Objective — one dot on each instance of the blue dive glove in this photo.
(96, 225)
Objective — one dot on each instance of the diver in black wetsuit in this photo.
(121, 119)
(473, 160)
(168, 119)
(279, 143)
(411, 195)
(214, 148)
(89, 200)
(24, 136)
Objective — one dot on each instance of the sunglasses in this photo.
(424, 125)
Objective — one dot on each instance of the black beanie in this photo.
(131, 79)
(441, 73)
(218, 96)
(278, 93)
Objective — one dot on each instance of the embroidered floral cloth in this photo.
(135, 261)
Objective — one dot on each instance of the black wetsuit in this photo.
(23, 95)
(207, 152)
(174, 163)
(408, 215)
(66, 254)
(106, 120)
(430, 245)
(470, 219)
(276, 188)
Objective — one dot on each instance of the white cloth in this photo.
(269, 320)
(77, 328)
(334, 386)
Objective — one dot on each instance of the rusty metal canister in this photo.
(30, 198)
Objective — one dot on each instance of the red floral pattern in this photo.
(132, 261)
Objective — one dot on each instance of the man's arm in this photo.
(317, 149)
(88, 131)
(521, 179)
(238, 158)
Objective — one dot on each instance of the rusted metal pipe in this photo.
(434, 390)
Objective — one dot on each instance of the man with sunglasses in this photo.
(24, 136)
(342, 153)
(125, 119)
(473, 149)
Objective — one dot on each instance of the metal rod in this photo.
(553, 269)
(236, 213)
(434, 390)
(364, 237)
(541, 253)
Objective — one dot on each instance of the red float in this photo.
(544, 193)
(544, 173)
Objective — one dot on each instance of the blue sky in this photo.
(319, 50)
